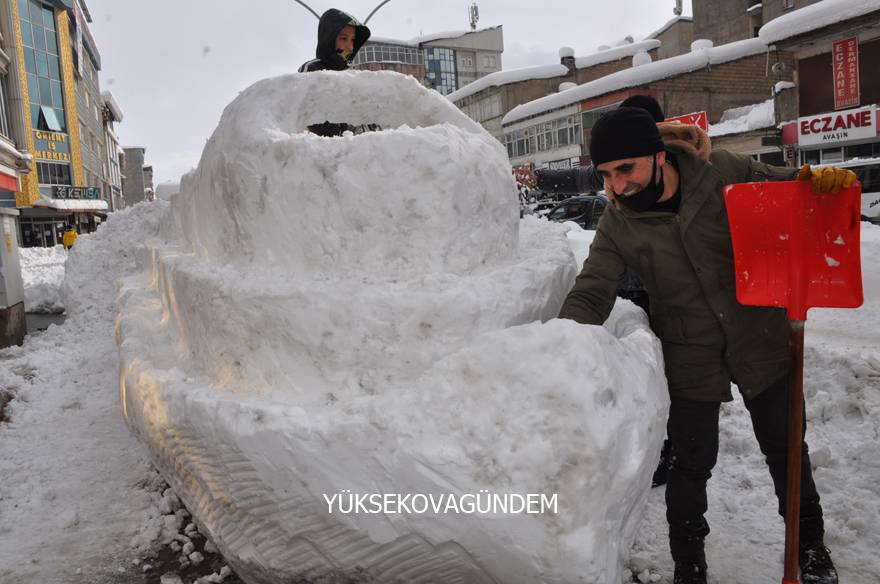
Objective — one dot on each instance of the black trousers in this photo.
(693, 435)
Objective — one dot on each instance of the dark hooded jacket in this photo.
(326, 57)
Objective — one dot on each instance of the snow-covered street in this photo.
(344, 300)
(81, 503)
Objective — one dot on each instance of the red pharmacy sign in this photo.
(700, 119)
(845, 57)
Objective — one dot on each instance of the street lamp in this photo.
(376, 9)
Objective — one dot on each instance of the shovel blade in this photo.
(795, 249)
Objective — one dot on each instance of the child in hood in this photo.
(340, 37)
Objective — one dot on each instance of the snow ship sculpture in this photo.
(367, 315)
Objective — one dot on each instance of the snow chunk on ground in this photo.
(347, 316)
(42, 272)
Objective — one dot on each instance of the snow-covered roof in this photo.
(453, 34)
(666, 26)
(636, 76)
(390, 41)
(111, 103)
(745, 119)
(73, 204)
(814, 17)
(500, 78)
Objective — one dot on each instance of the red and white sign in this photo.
(845, 64)
(700, 119)
(845, 126)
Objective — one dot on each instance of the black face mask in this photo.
(646, 198)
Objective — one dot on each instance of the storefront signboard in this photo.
(845, 64)
(842, 126)
(699, 119)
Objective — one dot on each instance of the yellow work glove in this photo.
(827, 180)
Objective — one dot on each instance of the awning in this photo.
(73, 205)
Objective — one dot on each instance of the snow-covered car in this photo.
(296, 342)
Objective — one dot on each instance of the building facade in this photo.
(15, 160)
(58, 80)
(725, 21)
(137, 181)
(831, 114)
(445, 62)
(488, 100)
(675, 37)
(112, 115)
(733, 76)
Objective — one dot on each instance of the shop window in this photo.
(832, 155)
(810, 157)
(860, 151)
(773, 158)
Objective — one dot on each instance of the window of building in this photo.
(51, 173)
(42, 65)
(48, 120)
(4, 115)
(786, 4)
(861, 151)
(440, 68)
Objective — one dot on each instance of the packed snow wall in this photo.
(367, 315)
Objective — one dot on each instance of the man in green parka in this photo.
(668, 222)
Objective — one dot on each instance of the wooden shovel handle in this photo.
(795, 441)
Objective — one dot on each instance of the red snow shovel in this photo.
(796, 250)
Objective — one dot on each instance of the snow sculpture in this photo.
(367, 315)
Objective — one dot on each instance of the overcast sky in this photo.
(173, 65)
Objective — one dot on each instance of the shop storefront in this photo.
(47, 220)
(836, 137)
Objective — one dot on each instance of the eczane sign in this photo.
(843, 126)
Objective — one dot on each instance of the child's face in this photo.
(345, 41)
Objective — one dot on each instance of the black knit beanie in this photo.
(626, 132)
(647, 103)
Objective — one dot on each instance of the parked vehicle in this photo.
(868, 172)
(584, 210)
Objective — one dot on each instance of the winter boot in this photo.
(662, 466)
(689, 572)
(816, 565)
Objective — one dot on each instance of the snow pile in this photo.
(77, 505)
(814, 17)
(745, 119)
(346, 317)
(646, 73)
(42, 271)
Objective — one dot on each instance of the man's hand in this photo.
(827, 180)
